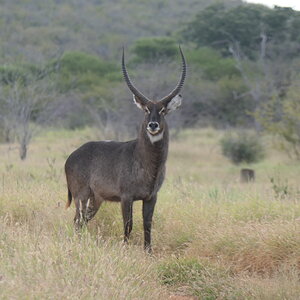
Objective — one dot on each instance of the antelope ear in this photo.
(174, 103)
(138, 102)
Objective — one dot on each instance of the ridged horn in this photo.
(133, 89)
(179, 86)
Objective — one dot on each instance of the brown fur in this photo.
(124, 171)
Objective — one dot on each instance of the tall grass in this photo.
(213, 237)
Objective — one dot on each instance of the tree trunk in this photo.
(7, 135)
(23, 151)
(247, 175)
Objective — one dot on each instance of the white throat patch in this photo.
(155, 138)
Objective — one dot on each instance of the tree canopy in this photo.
(219, 27)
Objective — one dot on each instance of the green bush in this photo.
(153, 49)
(229, 109)
(19, 72)
(219, 25)
(90, 76)
(242, 147)
(80, 62)
(211, 63)
(281, 118)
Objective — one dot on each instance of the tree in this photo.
(265, 79)
(282, 119)
(211, 63)
(88, 75)
(26, 107)
(149, 50)
(273, 85)
(219, 27)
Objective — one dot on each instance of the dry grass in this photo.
(214, 238)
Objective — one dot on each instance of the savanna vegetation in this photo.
(214, 237)
(63, 57)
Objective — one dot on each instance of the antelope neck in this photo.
(155, 138)
(153, 148)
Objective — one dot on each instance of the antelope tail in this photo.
(69, 198)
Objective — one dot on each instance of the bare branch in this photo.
(27, 107)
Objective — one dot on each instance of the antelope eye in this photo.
(147, 110)
(162, 111)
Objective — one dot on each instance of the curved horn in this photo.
(179, 86)
(133, 89)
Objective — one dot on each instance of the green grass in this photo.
(213, 237)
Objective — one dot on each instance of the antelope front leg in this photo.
(127, 218)
(148, 209)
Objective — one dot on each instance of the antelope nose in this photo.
(153, 126)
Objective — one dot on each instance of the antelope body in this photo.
(124, 171)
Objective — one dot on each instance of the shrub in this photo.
(281, 118)
(211, 63)
(80, 62)
(242, 147)
(19, 72)
(153, 49)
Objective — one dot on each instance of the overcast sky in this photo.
(295, 4)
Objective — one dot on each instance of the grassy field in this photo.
(213, 237)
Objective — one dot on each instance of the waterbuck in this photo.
(124, 171)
